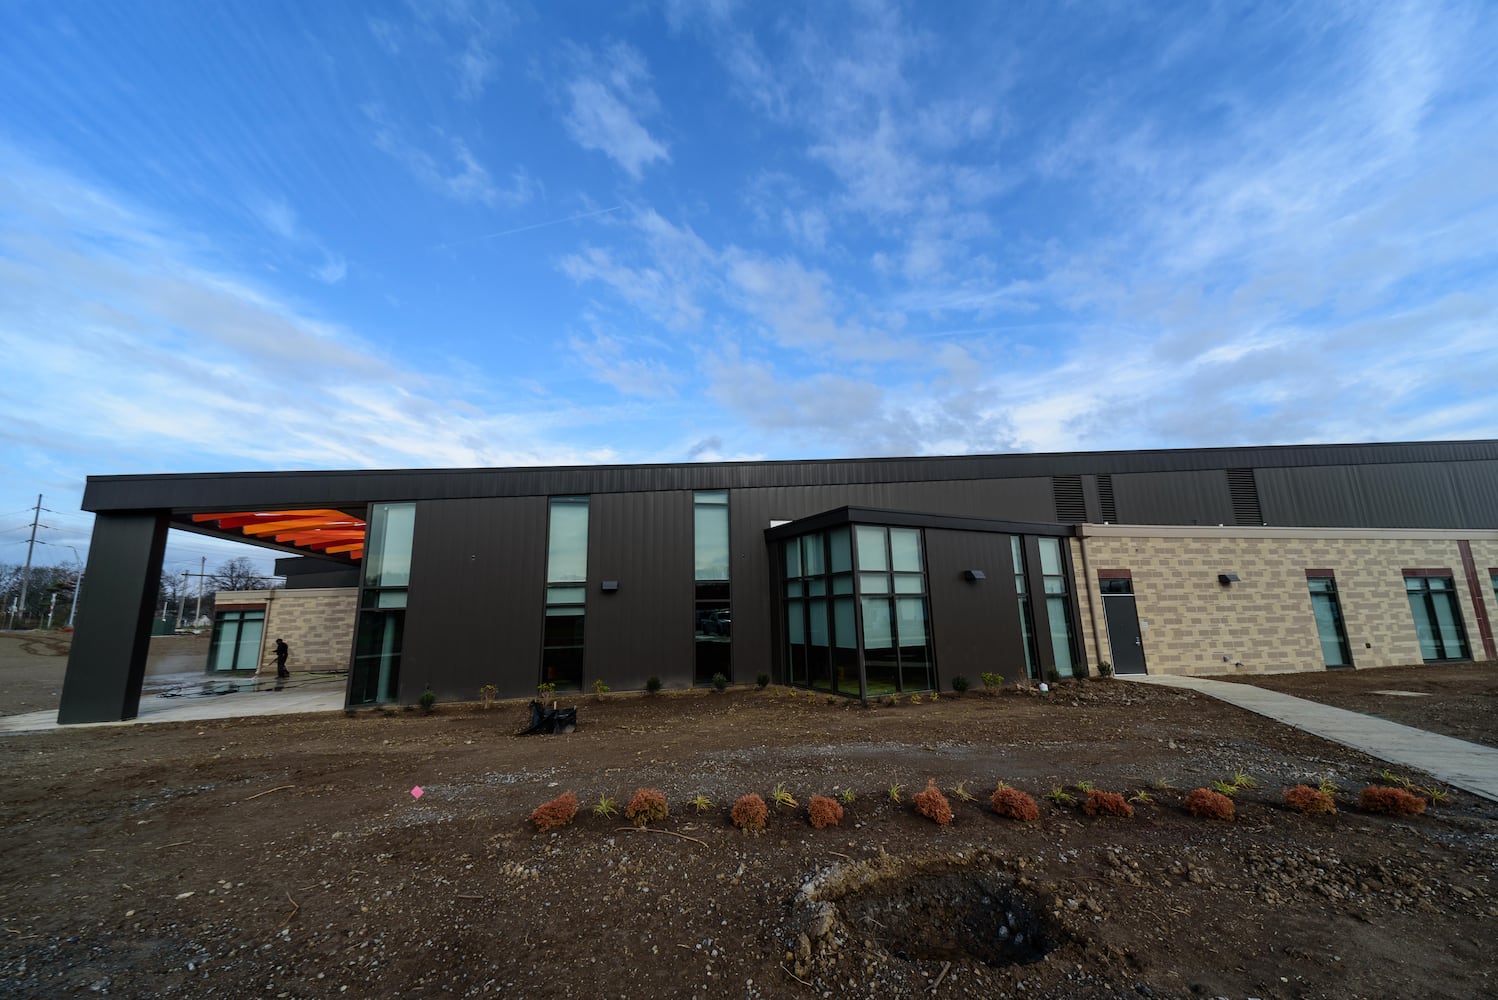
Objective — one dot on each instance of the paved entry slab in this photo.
(1468, 766)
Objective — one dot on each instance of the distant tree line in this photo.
(177, 595)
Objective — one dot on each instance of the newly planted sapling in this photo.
(653, 684)
(962, 794)
(427, 700)
(992, 682)
(895, 791)
(700, 802)
(488, 693)
(600, 688)
(1061, 797)
(546, 690)
(846, 796)
(782, 796)
(648, 804)
(933, 805)
(607, 807)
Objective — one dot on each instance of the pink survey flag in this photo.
(416, 792)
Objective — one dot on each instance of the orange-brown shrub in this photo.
(1390, 801)
(823, 812)
(648, 804)
(1015, 804)
(1208, 804)
(933, 805)
(1308, 800)
(555, 814)
(749, 813)
(1107, 803)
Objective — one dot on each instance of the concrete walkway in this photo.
(1468, 766)
(317, 693)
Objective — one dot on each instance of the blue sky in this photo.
(337, 235)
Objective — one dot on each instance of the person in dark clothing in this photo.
(282, 651)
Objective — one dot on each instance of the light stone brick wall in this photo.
(1265, 622)
(317, 623)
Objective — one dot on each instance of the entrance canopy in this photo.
(322, 531)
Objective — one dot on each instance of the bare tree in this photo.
(239, 573)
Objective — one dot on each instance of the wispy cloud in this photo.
(607, 96)
(454, 172)
(278, 217)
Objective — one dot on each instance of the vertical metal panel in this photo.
(1311, 497)
(1412, 495)
(975, 623)
(475, 605)
(1408, 496)
(1476, 485)
(1173, 498)
(645, 541)
(108, 659)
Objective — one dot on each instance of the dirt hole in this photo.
(953, 916)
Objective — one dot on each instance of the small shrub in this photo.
(846, 796)
(1436, 794)
(1308, 800)
(915, 699)
(823, 812)
(1226, 788)
(647, 805)
(1061, 796)
(488, 693)
(600, 688)
(1328, 786)
(427, 700)
(1104, 668)
(700, 802)
(1107, 803)
(749, 813)
(895, 790)
(782, 797)
(1143, 797)
(720, 682)
(1083, 786)
(936, 696)
(555, 814)
(607, 807)
(1242, 779)
(1053, 675)
(1390, 801)
(962, 793)
(546, 690)
(933, 805)
(959, 684)
(1014, 804)
(653, 684)
(762, 681)
(1207, 804)
(992, 682)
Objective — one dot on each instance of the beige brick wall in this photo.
(1265, 622)
(318, 625)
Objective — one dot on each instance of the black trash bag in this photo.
(550, 720)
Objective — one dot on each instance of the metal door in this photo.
(1123, 627)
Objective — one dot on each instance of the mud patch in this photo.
(953, 916)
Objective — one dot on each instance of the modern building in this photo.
(857, 577)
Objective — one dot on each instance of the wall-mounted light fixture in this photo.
(1228, 579)
(609, 586)
(973, 575)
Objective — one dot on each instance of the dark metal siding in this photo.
(474, 608)
(975, 623)
(1477, 492)
(643, 540)
(107, 661)
(1382, 496)
(1173, 498)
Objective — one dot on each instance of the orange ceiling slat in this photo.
(332, 531)
(346, 547)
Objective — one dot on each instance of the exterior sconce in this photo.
(1228, 579)
(974, 575)
(609, 586)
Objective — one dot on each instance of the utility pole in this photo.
(36, 516)
(73, 608)
(197, 611)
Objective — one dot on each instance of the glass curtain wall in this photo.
(236, 640)
(1438, 622)
(566, 593)
(896, 613)
(382, 604)
(712, 615)
(821, 627)
(1335, 649)
(1057, 603)
(1026, 614)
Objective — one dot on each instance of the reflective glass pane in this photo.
(905, 549)
(816, 586)
(1055, 585)
(1321, 585)
(871, 554)
(793, 557)
(1050, 556)
(566, 595)
(915, 653)
(793, 588)
(710, 526)
(1059, 621)
(719, 497)
(795, 622)
(842, 583)
(881, 664)
(842, 550)
(567, 541)
(843, 631)
(387, 559)
(873, 583)
(909, 583)
(1453, 637)
(812, 562)
(390, 598)
(816, 618)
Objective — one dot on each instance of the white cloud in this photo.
(607, 96)
(277, 215)
(455, 173)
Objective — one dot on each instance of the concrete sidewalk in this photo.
(1468, 766)
(313, 694)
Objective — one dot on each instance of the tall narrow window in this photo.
(1335, 649)
(1026, 615)
(1057, 603)
(712, 614)
(381, 630)
(1438, 621)
(896, 617)
(566, 593)
(236, 639)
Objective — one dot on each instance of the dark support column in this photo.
(108, 660)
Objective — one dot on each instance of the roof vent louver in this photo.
(1245, 496)
(1108, 509)
(1070, 503)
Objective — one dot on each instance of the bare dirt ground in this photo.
(287, 857)
(1455, 699)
